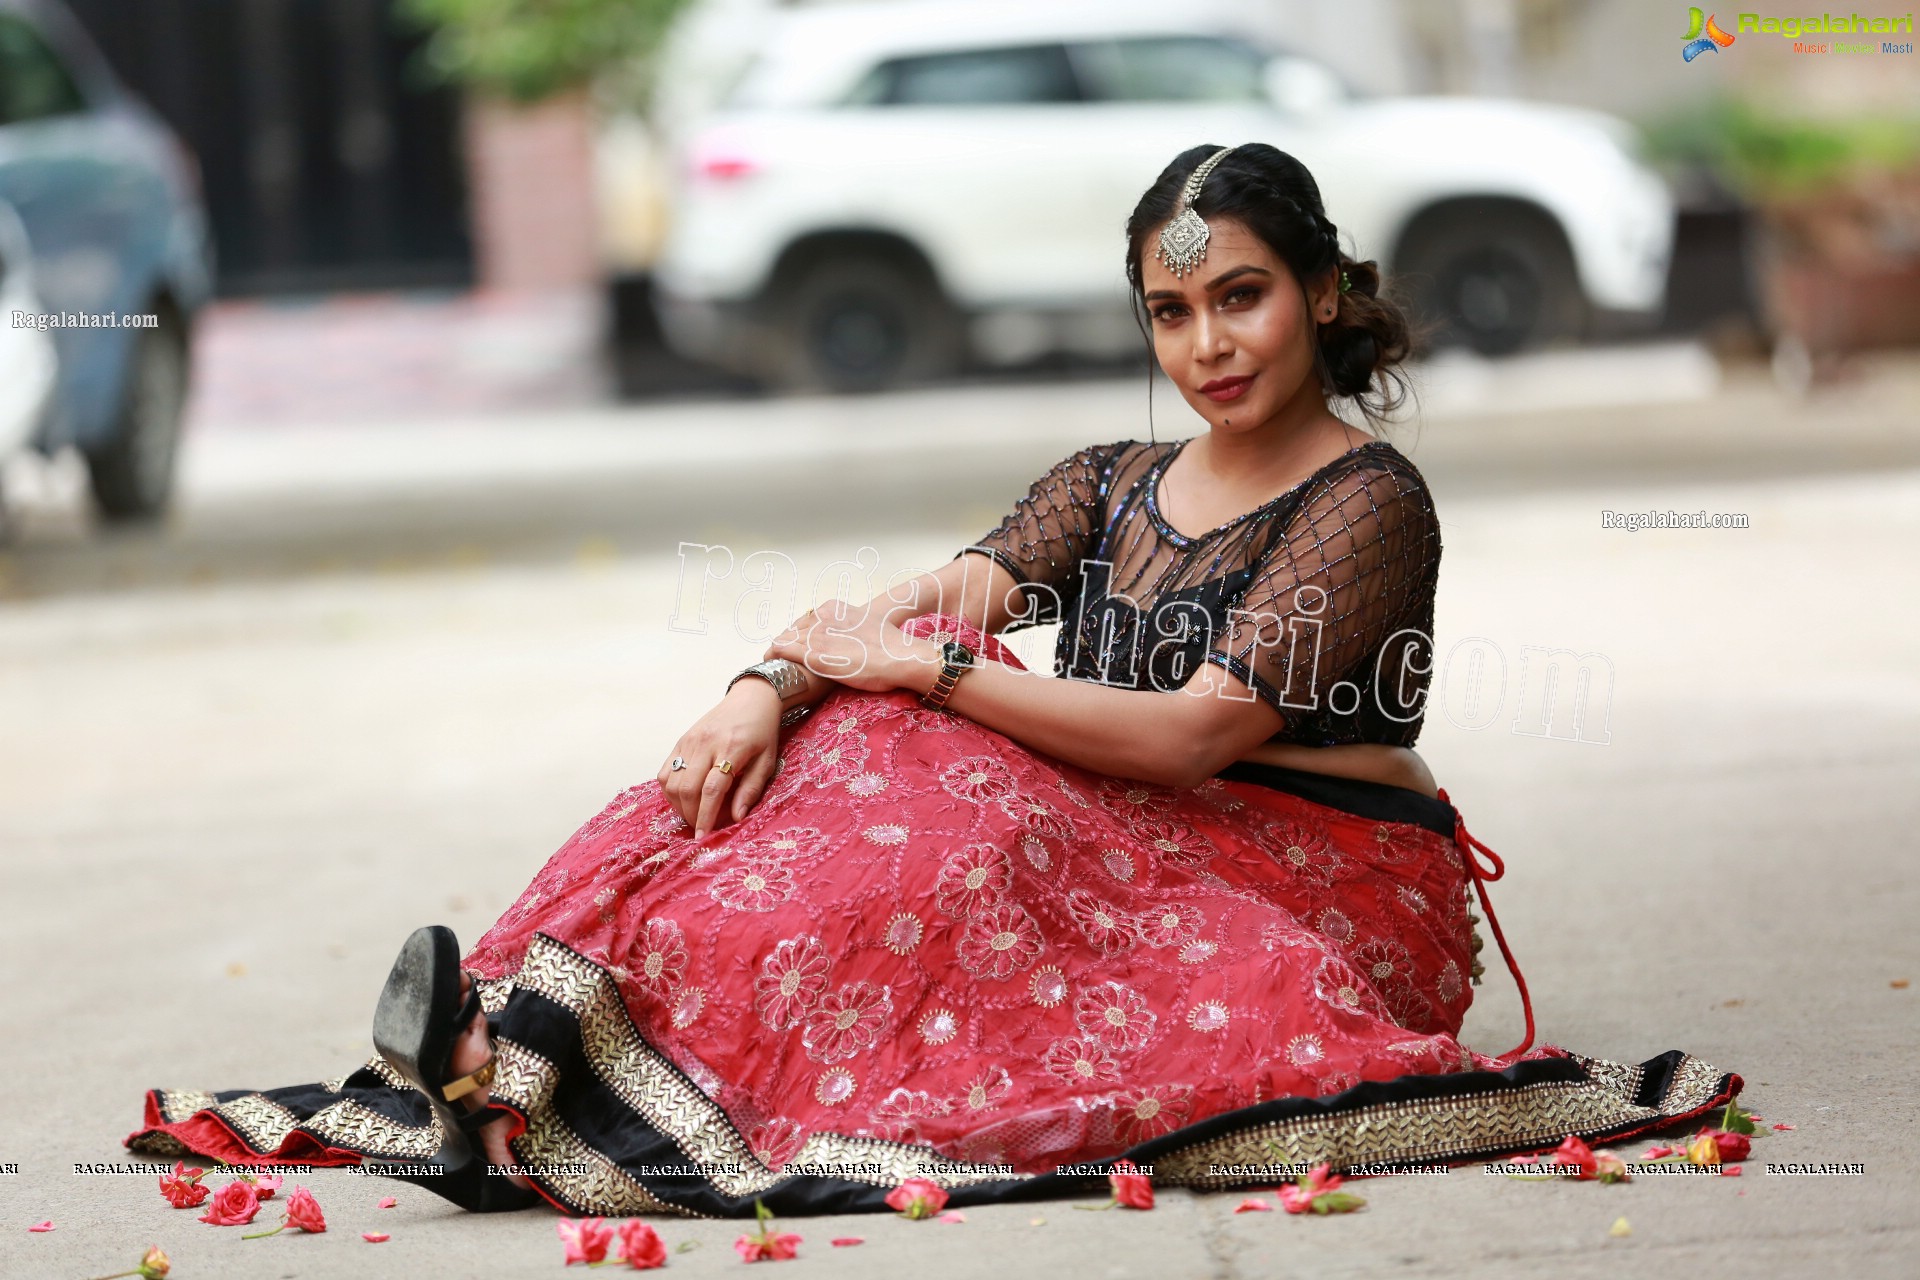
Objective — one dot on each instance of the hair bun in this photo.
(1364, 334)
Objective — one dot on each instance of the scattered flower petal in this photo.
(1783, 1128)
(388, 1203)
(1621, 1227)
(42, 1226)
(1254, 1204)
(375, 1237)
(951, 1215)
(1729, 1170)
(847, 1242)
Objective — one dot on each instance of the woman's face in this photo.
(1233, 334)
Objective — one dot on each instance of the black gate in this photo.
(326, 165)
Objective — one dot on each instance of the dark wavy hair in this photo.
(1359, 351)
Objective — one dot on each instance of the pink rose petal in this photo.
(1254, 1204)
(951, 1215)
(1784, 1128)
(42, 1226)
(375, 1237)
(388, 1203)
(847, 1242)
(1729, 1170)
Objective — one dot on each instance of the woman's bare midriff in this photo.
(1368, 762)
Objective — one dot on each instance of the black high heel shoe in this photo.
(415, 1026)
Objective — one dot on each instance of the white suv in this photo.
(892, 191)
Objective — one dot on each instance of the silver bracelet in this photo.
(794, 715)
(788, 678)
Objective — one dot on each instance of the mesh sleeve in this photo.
(1356, 565)
(1049, 531)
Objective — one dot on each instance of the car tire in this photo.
(862, 324)
(1495, 282)
(132, 474)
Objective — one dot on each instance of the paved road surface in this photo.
(308, 722)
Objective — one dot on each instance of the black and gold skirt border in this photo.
(613, 1127)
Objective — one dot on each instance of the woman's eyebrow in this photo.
(1231, 274)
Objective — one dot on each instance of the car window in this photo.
(1172, 69)
(33, 83)
(978, 77)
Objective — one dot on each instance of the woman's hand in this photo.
(744, 728)
(856, 644)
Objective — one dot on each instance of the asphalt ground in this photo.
(247, 755)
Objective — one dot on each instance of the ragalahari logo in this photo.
(1703, 36)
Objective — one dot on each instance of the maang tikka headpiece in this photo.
(1183, 241)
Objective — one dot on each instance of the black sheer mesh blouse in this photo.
(1320, 600)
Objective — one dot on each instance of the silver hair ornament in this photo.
(1183, 241)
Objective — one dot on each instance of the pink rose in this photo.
(1733, 1146)
(765, 1246)
(1577, 1153)
(641, 1246)
(303, 1211)
(183, 1193)
(1319, 1192)
(233, 1205)
(1131, 1187)
(586, 1239)
(917, 1198)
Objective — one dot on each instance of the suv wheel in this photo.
(1495, 282)
(132, 474)
(862, 324)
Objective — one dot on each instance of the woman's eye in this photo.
(1167, 313)
(1247, 292)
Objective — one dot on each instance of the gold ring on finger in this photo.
(724, 766)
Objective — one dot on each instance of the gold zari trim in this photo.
(1435, 1130)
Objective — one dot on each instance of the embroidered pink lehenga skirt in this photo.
(929, 951)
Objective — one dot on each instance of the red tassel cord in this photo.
(1493, 869)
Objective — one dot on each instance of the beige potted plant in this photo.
(1836, 206)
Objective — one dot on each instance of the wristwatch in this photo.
(955, 661)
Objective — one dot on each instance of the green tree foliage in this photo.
(526, 50)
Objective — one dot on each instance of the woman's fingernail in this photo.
(699, 833)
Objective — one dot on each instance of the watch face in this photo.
(956, 653)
